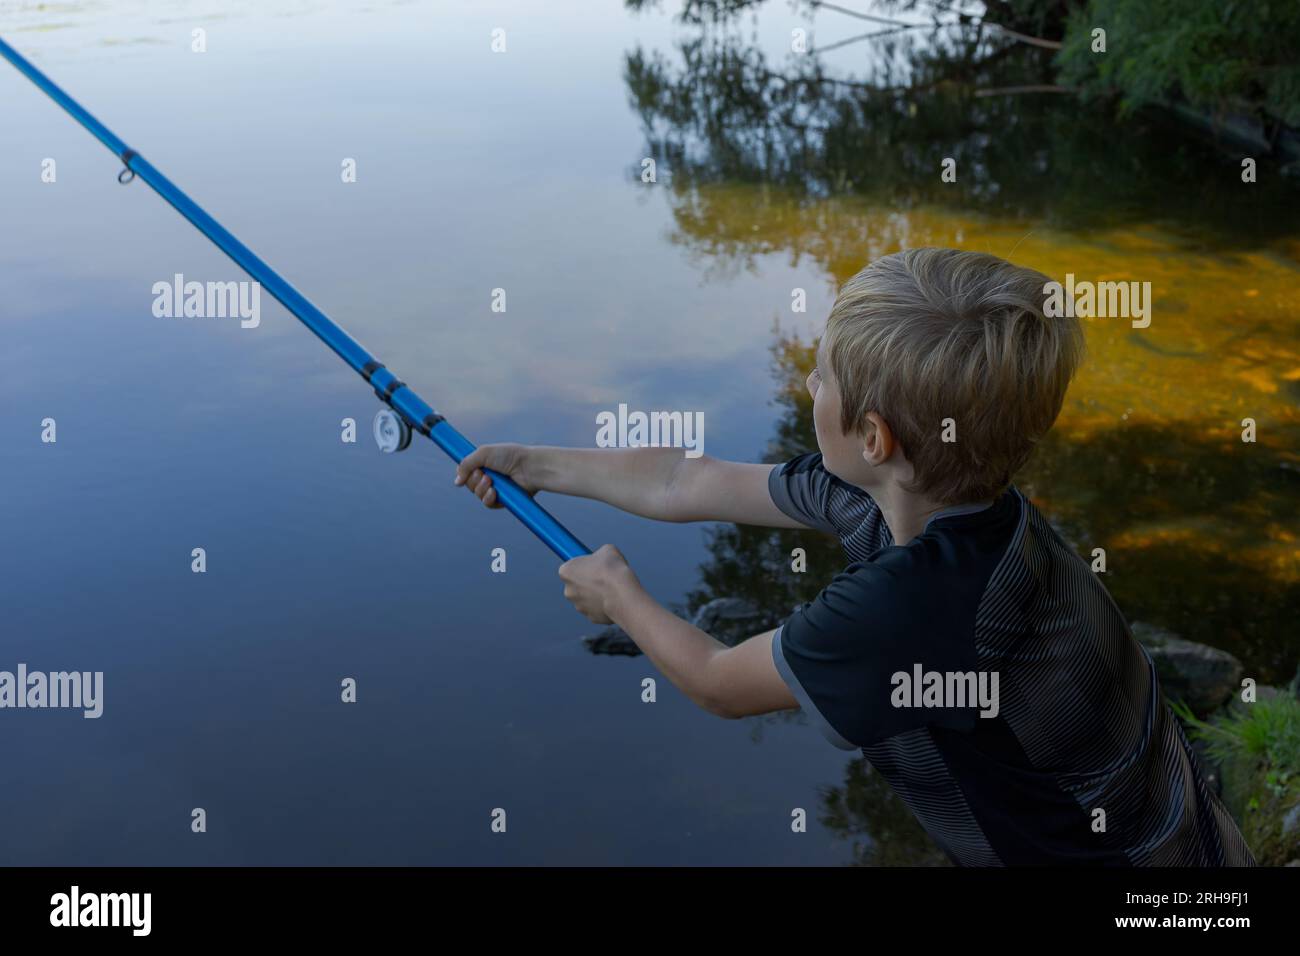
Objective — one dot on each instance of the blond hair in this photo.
(925, 335)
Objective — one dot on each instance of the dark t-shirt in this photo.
(987, 675)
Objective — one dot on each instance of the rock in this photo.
(1291, 822)
(1202, 676)
(731, 620)
(612, 640)
(615, 641)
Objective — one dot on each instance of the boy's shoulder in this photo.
(926, 594)
(807, 492)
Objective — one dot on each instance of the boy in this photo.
(974, 659)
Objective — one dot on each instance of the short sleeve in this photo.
(853, 658)
(801, 488)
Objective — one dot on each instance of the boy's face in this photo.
(841, 453)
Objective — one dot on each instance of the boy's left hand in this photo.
(595, 581)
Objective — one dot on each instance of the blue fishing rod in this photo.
(406, 411)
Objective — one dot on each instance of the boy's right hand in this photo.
(506, 459)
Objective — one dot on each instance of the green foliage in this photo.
(1257, 747)
(1216, 55)
(1267, 731)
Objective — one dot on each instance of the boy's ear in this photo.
(877, 439)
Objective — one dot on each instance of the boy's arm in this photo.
(728, 681)
(659, 483)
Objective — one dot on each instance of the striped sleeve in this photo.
(801, 488)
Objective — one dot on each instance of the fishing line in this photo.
(405, 411)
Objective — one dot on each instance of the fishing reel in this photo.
(391, 431)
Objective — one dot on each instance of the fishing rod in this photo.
(405, 411)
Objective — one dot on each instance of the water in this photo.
(327, 560)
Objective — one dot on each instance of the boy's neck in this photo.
(907, 513)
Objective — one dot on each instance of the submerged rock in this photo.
(729, 620)
(1203, 677)
(615, 641)
(612, 640)
(1291, 822)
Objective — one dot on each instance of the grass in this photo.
(1257, 747)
